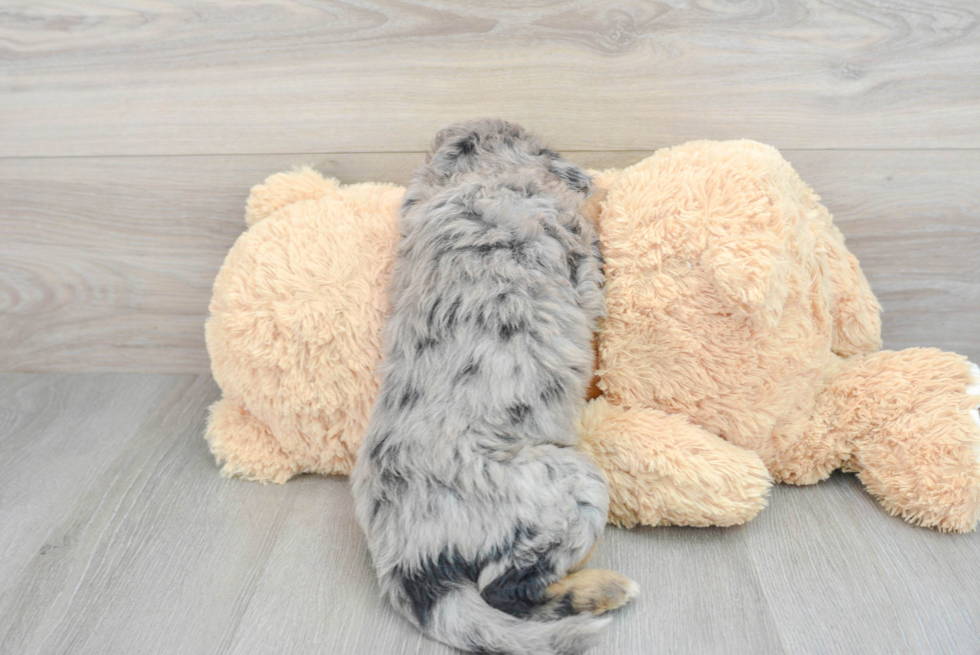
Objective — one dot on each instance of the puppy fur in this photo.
(477, 506)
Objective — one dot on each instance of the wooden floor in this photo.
(119, 537)
(130, 133)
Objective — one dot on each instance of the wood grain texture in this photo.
(912, 218)
(130, 134)
(143, 78)
(153, 552)
(152, 563)
(57, 434)
(107, 264)
(840, 576)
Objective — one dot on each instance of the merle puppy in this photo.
(478, 509)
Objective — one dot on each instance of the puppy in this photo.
(478, 509)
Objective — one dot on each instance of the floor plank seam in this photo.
(312, 153)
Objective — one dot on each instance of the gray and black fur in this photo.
(468, 484)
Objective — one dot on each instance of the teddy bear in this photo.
(741, 346)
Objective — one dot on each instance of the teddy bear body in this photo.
(741, 346)
(734, 303)
(294, 332)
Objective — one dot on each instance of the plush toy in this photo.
(741, 346)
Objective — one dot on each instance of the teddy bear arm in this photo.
(855, 311)
(909, 419)
(665, 470)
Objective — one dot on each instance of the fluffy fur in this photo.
(741, 344)
(294, 332)
(747, 315)
(468, 486)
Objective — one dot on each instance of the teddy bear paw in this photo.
(665, 470)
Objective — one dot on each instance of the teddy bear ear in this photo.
(284, 189)
(749, 272)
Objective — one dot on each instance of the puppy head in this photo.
(492, 145)
(461, 147)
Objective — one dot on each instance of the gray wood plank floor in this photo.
(118, 536)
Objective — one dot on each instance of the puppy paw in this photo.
(593, 590)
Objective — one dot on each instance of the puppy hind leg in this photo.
(533, 593)
(519, 591)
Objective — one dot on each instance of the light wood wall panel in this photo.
(107, 264)
(145, 78)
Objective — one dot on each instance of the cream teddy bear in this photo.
(741, 346)
(738, 321)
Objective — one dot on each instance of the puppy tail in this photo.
(463, 619)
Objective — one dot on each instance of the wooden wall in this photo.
(130, 135)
